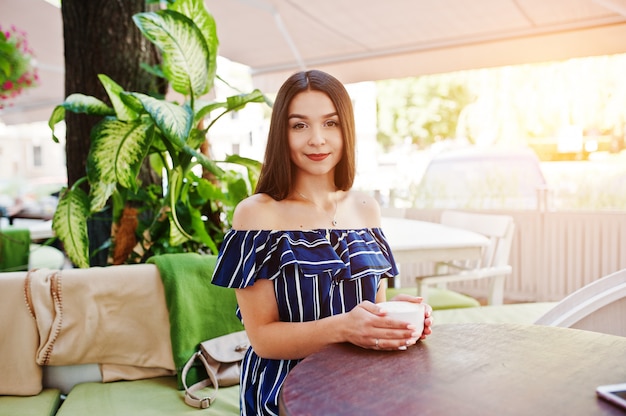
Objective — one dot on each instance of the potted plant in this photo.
(16, 70)
(192, 210)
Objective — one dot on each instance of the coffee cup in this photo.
(412, 313)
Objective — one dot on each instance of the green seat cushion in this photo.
(516, 313)
(45, 403)
(148, 397)
(439, 298)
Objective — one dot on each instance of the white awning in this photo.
(357, 40)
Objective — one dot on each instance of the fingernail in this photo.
(402, 348)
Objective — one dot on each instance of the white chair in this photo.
(599, 306)
(494, 263)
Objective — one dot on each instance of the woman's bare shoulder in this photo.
(255, 213)
(365, 208)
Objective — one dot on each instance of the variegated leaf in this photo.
(117, 151)
(173, 120)
(70, 225)
(113, 89)
(237, 102)
(196, 10)
(100, 193)
(57, 116)
(81, 103)
(204, 161)
(185, 51)
(252, 166)
(178, 235)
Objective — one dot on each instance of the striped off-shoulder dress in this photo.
(316, 274)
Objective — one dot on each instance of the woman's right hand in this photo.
(369, 327)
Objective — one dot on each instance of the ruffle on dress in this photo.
(264, 254)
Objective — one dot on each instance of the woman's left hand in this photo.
(428, 310)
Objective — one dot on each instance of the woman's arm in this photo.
(271, 338)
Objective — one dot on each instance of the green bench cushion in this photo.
(45, 403)
(148, 397)
(517, 313)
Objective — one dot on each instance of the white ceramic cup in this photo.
(410, 312)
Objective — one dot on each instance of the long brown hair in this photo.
(276, 176)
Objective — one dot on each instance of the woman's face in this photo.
(314, 132)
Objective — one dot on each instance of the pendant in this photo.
(334, 222)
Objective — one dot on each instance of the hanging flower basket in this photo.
(16, 65)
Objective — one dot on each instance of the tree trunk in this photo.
(101, 38)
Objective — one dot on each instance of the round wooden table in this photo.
(463, 369)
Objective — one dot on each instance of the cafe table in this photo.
(463, 369)
(414, 241)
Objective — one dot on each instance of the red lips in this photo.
(317, 157)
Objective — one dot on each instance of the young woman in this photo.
(306, 254)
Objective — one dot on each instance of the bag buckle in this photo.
(206, 402)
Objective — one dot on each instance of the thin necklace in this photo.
(334, 219)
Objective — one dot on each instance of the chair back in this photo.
(599, 306)
(498, 228)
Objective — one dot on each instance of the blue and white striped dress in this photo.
(316, 274)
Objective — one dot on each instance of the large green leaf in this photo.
(81, 103)
(185, 51)
(200, 232)
(202, 109)
(113, 89)
(99, 193)
(173, 120)
(252, 166)
(196, 10)
(178, 235)
(70, 225)
(196, 138)
(204, 161)
(78, 103)
(57, 116)
(237, 102)
(117, 151)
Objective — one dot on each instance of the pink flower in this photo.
(21, 73)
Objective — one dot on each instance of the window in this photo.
(37, 159)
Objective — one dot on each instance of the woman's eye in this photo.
(298, 126)
(332, 123)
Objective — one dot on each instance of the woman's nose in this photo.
(317, 137)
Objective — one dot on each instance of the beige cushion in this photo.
(19, 373)
(115, 316)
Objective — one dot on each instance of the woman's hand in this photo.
(369, 327)
(428, 311)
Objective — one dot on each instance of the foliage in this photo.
(506, 105)
(16, 70)
(193, 208)
(424, 109)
